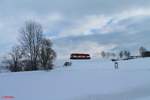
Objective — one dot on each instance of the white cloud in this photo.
(142, 12)
(84, 25)
(105, 24)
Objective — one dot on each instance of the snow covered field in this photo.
(84, 80)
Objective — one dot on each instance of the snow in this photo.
(84, 80)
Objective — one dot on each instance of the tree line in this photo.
(122, 53)
(33, 52)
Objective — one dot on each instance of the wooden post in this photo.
(116, 65)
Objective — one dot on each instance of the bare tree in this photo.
(127, 54)
(103, 54)
(124, 54)
(121, 54)
(31, 37)
(13, 59)
(47, 54)
(141, 50)
(33, 52)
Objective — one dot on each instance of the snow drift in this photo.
(84, 80)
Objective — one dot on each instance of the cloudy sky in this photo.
(79, 25)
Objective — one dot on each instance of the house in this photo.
(80, 56)
(146, 54)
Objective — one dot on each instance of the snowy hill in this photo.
(84, 80)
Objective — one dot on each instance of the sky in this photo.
(88, 26)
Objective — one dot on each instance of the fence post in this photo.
(116, 65)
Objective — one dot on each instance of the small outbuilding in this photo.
(67, 64)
